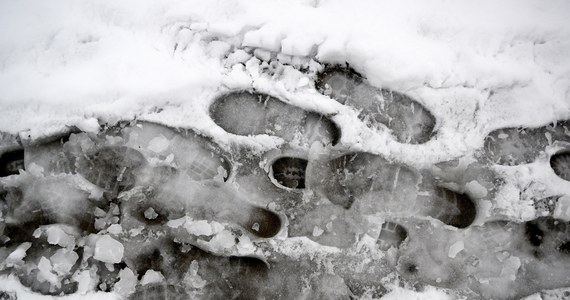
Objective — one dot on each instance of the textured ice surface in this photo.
(408, 120)
(515, 146)
(247, 113)
(140, 197)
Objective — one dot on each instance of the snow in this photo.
(428, 294)
(475, 65)
(108, 250)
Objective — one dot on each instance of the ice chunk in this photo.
(455, 248)
(562, 210)
(46, 272)
(510, 268)
(115, 229)
(63, 260)
(193, 278)
(151, 276)
(222, 240)
(150, 213)
(317, 231)
(158, 144)
(84, 281)
(127, 282)
(201, 227)
(15, 258)
(108, 250)
(56, 236)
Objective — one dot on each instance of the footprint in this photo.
(111, 168)
(548, 236)
(250, 113)
(383, 187)
(487, 257)
(348, 177)
(516, 146)
(39, 201)
(408, 120)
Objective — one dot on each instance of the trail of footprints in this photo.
(169, 196)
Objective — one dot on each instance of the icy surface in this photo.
(329, 150)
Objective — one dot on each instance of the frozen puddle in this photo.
(152, 212)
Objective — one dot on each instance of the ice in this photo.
(455, 248)
(150, 214)
(515, 146)
(46, 272)
(63, 260)
(562, 210)
(246, 113)
(126, 284)
(242, 183)
(64, 237)
(151, 276)
(159, 291)
(108, 250)
(193, 278)
(158, 144)
(408, 121)
(17, 255)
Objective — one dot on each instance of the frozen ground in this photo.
(293, 149)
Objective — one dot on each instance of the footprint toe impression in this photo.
(408, 121)
(290, 172)
(560, 163)
(11, 162)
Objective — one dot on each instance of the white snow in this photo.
(108, 250)
(476, 65)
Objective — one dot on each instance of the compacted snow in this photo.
(284, 149)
